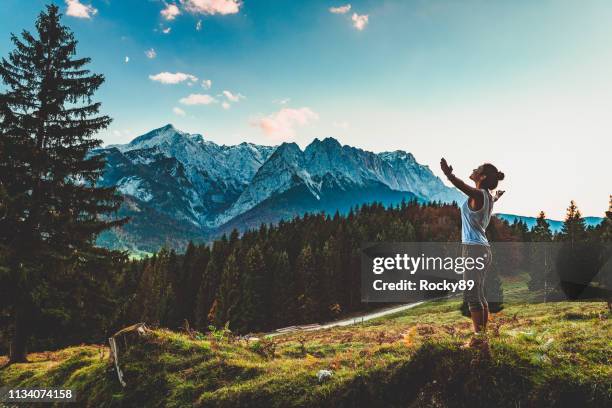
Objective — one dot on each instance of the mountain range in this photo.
(180, 187)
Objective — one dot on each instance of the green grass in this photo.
(553, 354)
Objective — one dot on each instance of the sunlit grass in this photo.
(545, 350)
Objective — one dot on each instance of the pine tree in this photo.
(209, 283)
(228, 295)
(577, 259)
(313, 294)
(283, 291)
(606, 235)
(48, 126)
(541, 231)
(148, 296)
(574, 227)
(184, 289)
(254, 291)
(540, 264)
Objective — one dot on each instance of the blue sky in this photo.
(524, 84)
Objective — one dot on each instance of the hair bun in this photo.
(500, 175)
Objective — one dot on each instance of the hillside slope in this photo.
(554, 355)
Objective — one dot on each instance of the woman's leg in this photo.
(474, 301)
(483, 277)
(477, 303)
(485, 316)
(478, 320)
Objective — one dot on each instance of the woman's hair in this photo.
(493, 176)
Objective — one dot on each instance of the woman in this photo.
(475, 216)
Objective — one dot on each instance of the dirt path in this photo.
(343, 322)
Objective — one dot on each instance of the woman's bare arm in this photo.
(457, 182)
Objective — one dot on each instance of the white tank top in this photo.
(474, 223)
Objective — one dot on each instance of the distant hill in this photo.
(555, 225)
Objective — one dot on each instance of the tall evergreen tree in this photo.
(228, 295)
(283, 290)
(313, 284)
(147, 297)
(574, 226)
(541, 231)
(540, 264)
(209, 283)
(48, 127)
(254, 291)
(606, 236)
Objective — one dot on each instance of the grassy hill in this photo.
(554, 354)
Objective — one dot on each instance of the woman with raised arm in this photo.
(475, 216)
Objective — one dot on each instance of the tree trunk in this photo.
(18, 351)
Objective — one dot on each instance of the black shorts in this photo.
(475, 297)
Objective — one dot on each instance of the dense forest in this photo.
(57, 288)
(300, 271)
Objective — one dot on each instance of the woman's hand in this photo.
(457, 182)
(498, 194)
(446, 169)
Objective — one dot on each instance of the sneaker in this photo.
(478, 341)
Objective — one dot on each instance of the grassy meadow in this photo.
(547, 354)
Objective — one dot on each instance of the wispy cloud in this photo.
(170, 78)
(233, 97)
(126, 59)
(166, 30)
(198, 99)
(283, 101)
(281, 125)
(226, 105)
(360, 21)
(199, 25)
(121, 132)
(341, 9)
(178, 111)
(170, 11)
(206, 83)
(150, 53)
(75, 8)
(212, 6)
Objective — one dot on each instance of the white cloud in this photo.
(127, 59)
(212, 6)
(341, 9)
(121, 132)
(206, 84)
(166, 30)
(360, 21)
(198, 99)
(283, 101)
(199, 25)
(281, 125)
(79, 10)
(170, 78)
(226, 105)
(170, 12)
(150, 53)
(178, 111)
(233, 97)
